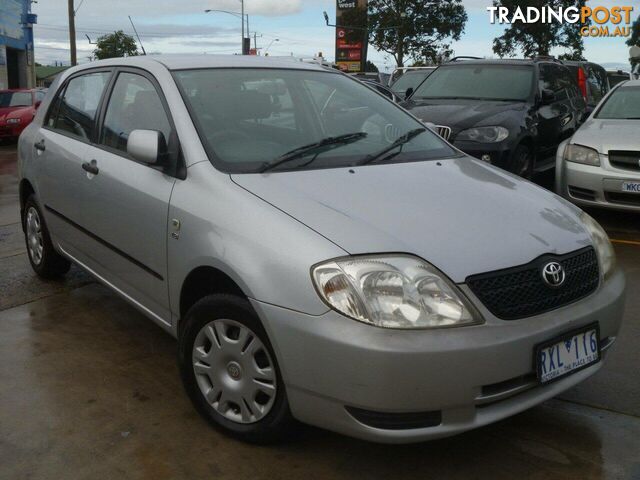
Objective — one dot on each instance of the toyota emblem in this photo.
(553, 274)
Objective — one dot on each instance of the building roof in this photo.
(43, 72)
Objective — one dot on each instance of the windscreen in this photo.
(623, 104)
(616, 78)
(249, 119)
(482, 82)
(410, 79)
(15, 99)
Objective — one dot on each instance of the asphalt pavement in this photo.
(89, 388)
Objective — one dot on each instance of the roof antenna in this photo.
(136, 32)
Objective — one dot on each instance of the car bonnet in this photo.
(461, 215)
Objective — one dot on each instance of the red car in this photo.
(17, 109)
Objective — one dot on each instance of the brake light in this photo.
(582, 82)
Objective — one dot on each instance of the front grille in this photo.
(623, 198)
(521, 291)
(627, 160)
(443, 131)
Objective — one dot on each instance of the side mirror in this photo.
(547, 97)
(408, 93)
(146, 146)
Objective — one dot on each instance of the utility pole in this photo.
(244, 52)
(72, 33)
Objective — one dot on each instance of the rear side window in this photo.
(134, 105)
(74, 112)
(597, 83)
(559, 80)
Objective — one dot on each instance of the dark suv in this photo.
(511, 113)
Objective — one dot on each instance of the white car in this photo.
(600, 165)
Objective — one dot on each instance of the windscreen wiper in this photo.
(400, 141)
(324, 144)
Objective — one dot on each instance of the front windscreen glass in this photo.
(623, 104)
(15, 99)
(410, 79)
(253, 120)
(476, 81)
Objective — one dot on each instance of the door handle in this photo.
(91, 168)
(40, 146)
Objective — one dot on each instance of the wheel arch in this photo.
(25, 190)
(202, 281)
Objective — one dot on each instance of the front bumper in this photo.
(596, 186)
(11, 131)
(472, 376)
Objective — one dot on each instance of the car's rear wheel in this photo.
(230, 372)
(44, 259)
(522, 161)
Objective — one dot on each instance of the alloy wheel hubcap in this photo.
(35, 243)
(234, 371)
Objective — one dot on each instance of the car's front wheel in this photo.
(44, 259)
(522, 161)
(230, 372)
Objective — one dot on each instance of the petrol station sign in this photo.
(351, 35)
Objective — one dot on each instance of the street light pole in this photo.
(243, 37)
(235, 14)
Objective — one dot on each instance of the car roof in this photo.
(630, 83)
(184, 62)
(496, 61)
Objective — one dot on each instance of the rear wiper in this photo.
(400, 141)
(324, 144)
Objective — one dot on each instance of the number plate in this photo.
(631, 187)
(568, 353)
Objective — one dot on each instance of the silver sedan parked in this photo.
(600, 165)
(319, 254)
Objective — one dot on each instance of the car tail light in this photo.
(582, 82)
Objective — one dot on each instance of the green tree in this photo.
(635, 39)
(371, 67)
(533, 39)
(416, 29)
(116, 44)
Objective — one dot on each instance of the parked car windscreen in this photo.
(410, 79)
(616, 78)
(249, 119)
(482, 82)
(622, 104)
(15, 99)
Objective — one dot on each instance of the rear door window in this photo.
(75, 110)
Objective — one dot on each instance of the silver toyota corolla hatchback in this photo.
(319, 254)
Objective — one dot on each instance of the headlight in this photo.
(484, 134)
(395, 291)
(580, 154)
(604, 249)
(13, 121)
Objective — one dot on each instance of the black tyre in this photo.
(44, 259)
(522, 161)
(230, 372)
